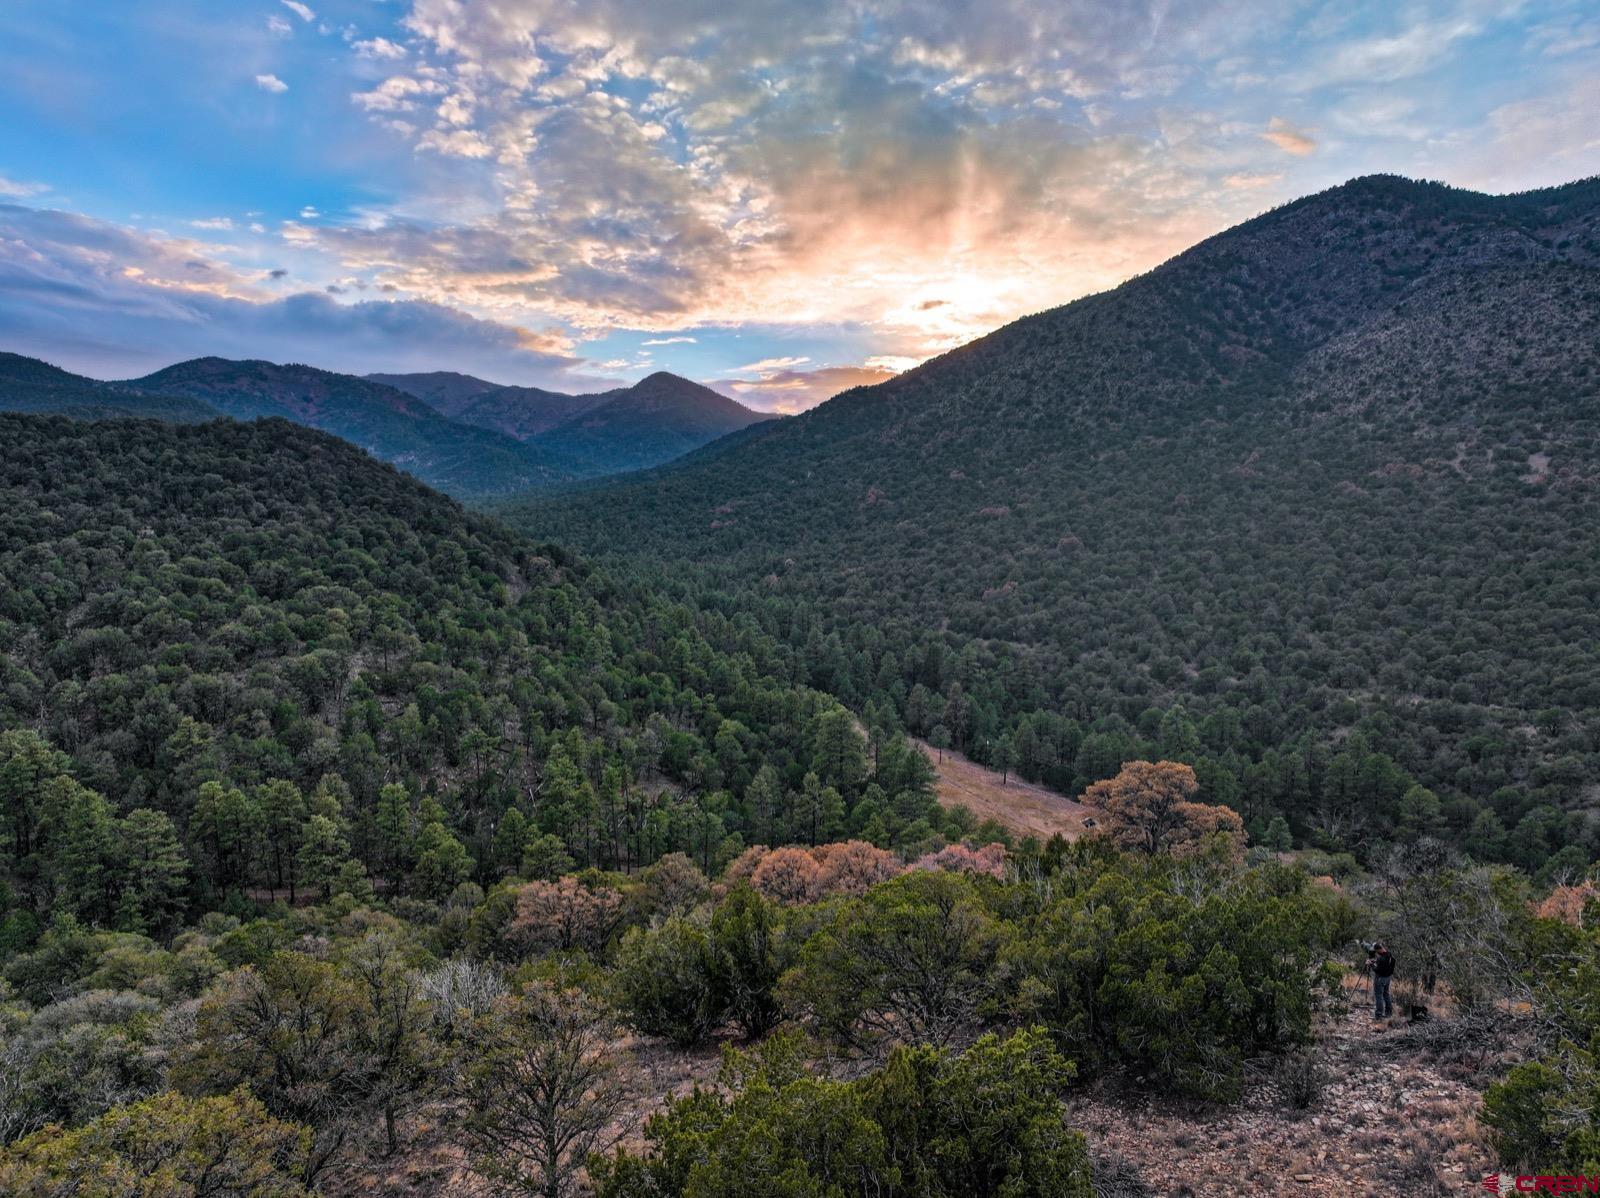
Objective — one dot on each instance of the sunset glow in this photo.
(566, 194)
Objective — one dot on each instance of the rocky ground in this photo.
(1392, 1109)
(1395, 1113)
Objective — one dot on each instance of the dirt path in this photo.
(1030, 810)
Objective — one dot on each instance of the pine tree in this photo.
(510, 835)
(77, 832)
(283, 814)
(323, 849)
(152, 870)
(762, 801)
(226, 822)
(442, 862)
(808, 808)
(838, 755)
(394, 831)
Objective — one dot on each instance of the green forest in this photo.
(1311, 507)
(356, 841)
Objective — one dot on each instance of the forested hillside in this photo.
(657, 419)
(1312, 507)
(459, 459)
(29, 385)
(299, 665)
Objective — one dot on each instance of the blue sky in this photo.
(778, 199)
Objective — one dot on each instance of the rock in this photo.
(1303, 1178)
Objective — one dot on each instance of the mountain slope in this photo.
(29, 385)
(461, 459)
(1332, 470)
(527, 412)
(444, 390)
(657, 419)
(238, 602)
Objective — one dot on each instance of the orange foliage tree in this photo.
(853, 867)
(990, 859)
(565, 914)
(1569, 903)
(1149, 807)
(789, 875)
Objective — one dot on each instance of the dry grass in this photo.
(1021, 806)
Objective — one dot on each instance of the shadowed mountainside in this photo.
(655, 420)
(1334, 470)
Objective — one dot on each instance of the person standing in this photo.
(1381, 961)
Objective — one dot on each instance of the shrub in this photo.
(985, 1123)
(911, 961)
(750, 951)
(169, 1145)
(663, 982)
(1302, 1078)
(1177, 972)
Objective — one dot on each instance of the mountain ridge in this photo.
(33, 385)
(390, 424)
(658, 418)
(1287, 482)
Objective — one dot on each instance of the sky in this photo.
(780, 199)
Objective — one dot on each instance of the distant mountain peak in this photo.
(643, 424)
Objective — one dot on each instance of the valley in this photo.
(986, 782)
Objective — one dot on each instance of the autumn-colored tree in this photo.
(790, 875)
(1149, 807)
(853, 867)
(743, 867)
(990, 859)
(672, 886)
(564, 915)
(1569, 903)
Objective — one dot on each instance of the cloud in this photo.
(1289, 139)
(212, 222)
(1389, 58)
(271, 83)
(299, 10)
(669, 341)
(398, 93)
(458, 143)
(379, 47)
(114, 302)
(769, 365)
(790, 391)
(895, 177)
(1244, 181)
(768, 164)
(12, 189)
(1540, 141)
